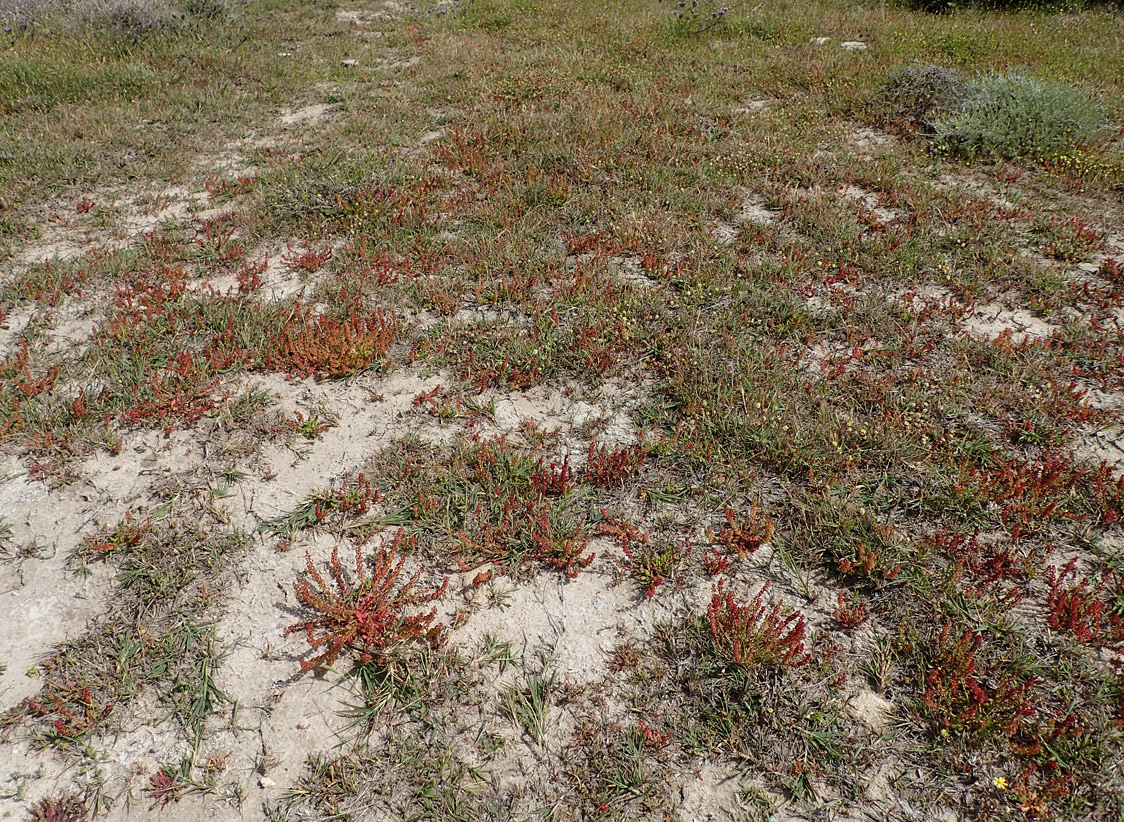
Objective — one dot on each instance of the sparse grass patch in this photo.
(489, 500)
(159, 636)
(529, 706)
(617, 771)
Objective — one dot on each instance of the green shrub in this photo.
(1018, 115)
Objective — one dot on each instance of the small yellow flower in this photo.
(1000, 783)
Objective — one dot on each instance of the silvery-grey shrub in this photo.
(1016, 114)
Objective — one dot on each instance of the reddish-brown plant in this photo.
(756, 634)
(715, 562)
(745, 535)
(554, 480)
(127, 534)
(309, 260)
(650, 563)
(66, 808)
(850, 614)
(1076, 604)
(958, 698)
(610, 467)
(318, 345)
(165, 787)
(366, 616)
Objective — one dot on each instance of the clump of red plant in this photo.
(850, 614)
(611, 467)
(311, 344)
(165, 787)
(756, 634)
(745, 534)
(308, 260)
(714, 562)
(1076, 604)
(127, 534)
(958, 698)
(366, 616)
(72, 711)
(66, 808)
(554, 480)
(650, 563)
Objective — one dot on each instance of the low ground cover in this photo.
(595, 411)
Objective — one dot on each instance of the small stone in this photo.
(870, 709)
(284, 54)
(349, 63)
(821, 41)
(853, 45)
(266, 783)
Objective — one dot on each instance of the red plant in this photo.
(312, 344)
(714, 562)
(216, 238)
(17, 369)
(1112, 271)
(179, 393)
(427, 397)
(651, 564)
(850, 615)
(521, 527)
(447, 405)
(71, 710)
(127, 535)
(957, 698)
(66, 808)
(1076, 605)
(745, 536)
(653, 737)
(554, 480)
(610, 467)
(47, 284)
(249, 275)
(217, 186)
(563, 550)
(366, 616)
(309, 261)
(988, 563)
(355, 498)
(867, 562)
(1030, 493)
(165, 787)
(627, 534)
(484, 372)
(756, 634)
(597, 244)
